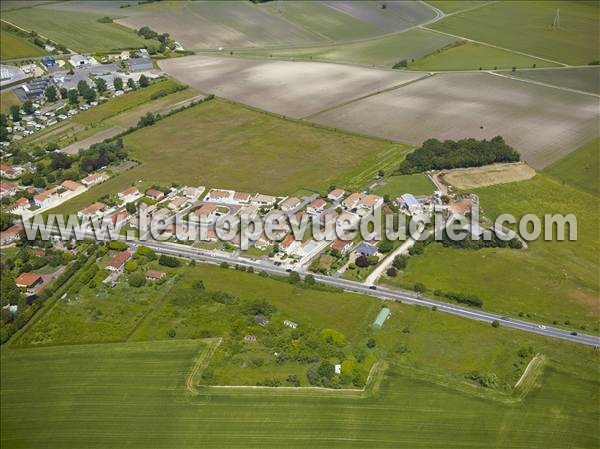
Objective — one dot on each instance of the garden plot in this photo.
(296, 89)
(542, 123)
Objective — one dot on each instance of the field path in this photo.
(96, 138)
(384, 265)
(201, 363)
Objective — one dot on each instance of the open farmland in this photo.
(385, 51)
(295, 89)
(227, 145)
(580, 169)
(14, 47)
(241, 24)
(575, 42)
(580, 78)
(472, 56)
(542, 123)
(79, 31)
(394, 186)
(470, 178)
(135, 392)
(453, 6)
(550, 281)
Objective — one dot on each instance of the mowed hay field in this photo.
(133, 394)
(221, 144)
(580, 78)
(295, 89)
(79, 31)
(542, 123)
(394, 186)
(385, 51)
(470, 178)
(527, 27)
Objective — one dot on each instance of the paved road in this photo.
(407, 297)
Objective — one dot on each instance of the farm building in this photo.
(138, 64)
(381, 317)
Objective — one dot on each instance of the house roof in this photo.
(318, 203)
(290, 203)
(21, 202)
(154, 193)
(93, 177)
(241, 196)
(154, 274)
(14, 229)
(129, 191)
(219, 194)
(366, 249)
(4, 185)
(340, 244)
(335, 193)
(370, 200)
(93, 208)
(352, 199)
(205, 210)
(288, 241)
(119, 216)
(45, 195)
(27, 279)
(118, 261)
(71, 185)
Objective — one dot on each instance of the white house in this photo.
(336, 194)
(290, 245)
(130, 194)
(46, 198)
(94, 178)
(290, 204)
(93, 210)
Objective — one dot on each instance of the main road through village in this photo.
(404, 296)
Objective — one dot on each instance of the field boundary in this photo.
(372, 383)
(529, 379)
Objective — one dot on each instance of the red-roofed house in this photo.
(11, 234)
(20, 206)
(95, 209)
(130, 194)
(7, 189)
(154, 194)
(72, 186)
(46, 198)
(154, 275)
(290, 245)
(317, 206)
(94, 178)
(117, 262)
(343, 246)
(28, 280)
(6, 171)
(336, 194)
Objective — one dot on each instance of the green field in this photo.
(575, 42)
(394, 186)
(452, 6)
(472, 56)
(224, 144)
(135, 392)
(323, 21)
(550, 281)
(8, 99)
(385, 51)
(78, 31)
(13, 46)
(579, 169)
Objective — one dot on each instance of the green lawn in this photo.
(527, 27)
(394, 186)
(579, 169)
(385, 51)
(472, 56)
(78, 31)
(8, 99)
(550, 281)
(13, 47)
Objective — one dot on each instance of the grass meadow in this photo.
(553, 282)
(134, 392)
(223, 144)
(79, 31)
(382, 52)
(492, 24)
(8, 99)
(472, 56)
(14, 47)
(580, 169)
(417, 184)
